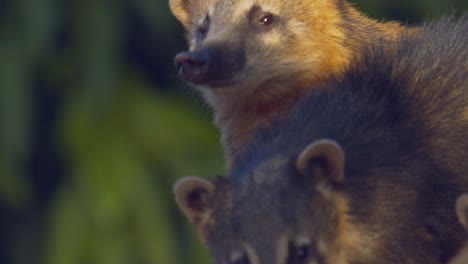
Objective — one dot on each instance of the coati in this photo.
(462, 213)
(253, 59)
(362, 171)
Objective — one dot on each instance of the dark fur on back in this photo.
(417, 87)
(401, 116)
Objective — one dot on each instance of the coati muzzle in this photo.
(213, 65)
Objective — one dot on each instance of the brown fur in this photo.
(351, 243)
(320, 40)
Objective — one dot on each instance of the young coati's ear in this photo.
(462, 210)
(324, 158)
(194, 197)
(181, 10)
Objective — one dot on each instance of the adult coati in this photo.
(254, 59)
(363, 171)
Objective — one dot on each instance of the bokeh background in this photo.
(95, 127)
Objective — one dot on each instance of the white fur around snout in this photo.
(328, 150)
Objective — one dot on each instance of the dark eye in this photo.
(260, 19)
(298, 254)
(203, 28)
(302, 253)
(266, 20)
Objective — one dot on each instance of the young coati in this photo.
(363, 171)
(253, 59)
(462, 213)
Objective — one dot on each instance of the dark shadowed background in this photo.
(95, 127)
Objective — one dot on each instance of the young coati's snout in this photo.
(283, 211)
(212, 65)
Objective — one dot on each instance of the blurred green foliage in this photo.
(95, 128)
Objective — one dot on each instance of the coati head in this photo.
(282, 212)
(250, 45)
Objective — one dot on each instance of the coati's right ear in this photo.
(462, 210)
(181, 10)
(194, 196)
(324, 159)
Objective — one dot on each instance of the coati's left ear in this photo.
(323, 158)
(194, 196)
(462, 210)
(181, 10)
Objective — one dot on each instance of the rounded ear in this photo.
(180, 9)
(323, 157)
(462, 210)
(193, 195)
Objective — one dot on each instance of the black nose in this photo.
(192, 66)
(213, 65)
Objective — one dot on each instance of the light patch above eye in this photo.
(302, 241)
(210, 10)
(269, 9)
(244, 6)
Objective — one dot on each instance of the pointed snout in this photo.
(211, 65)
(192, 66)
